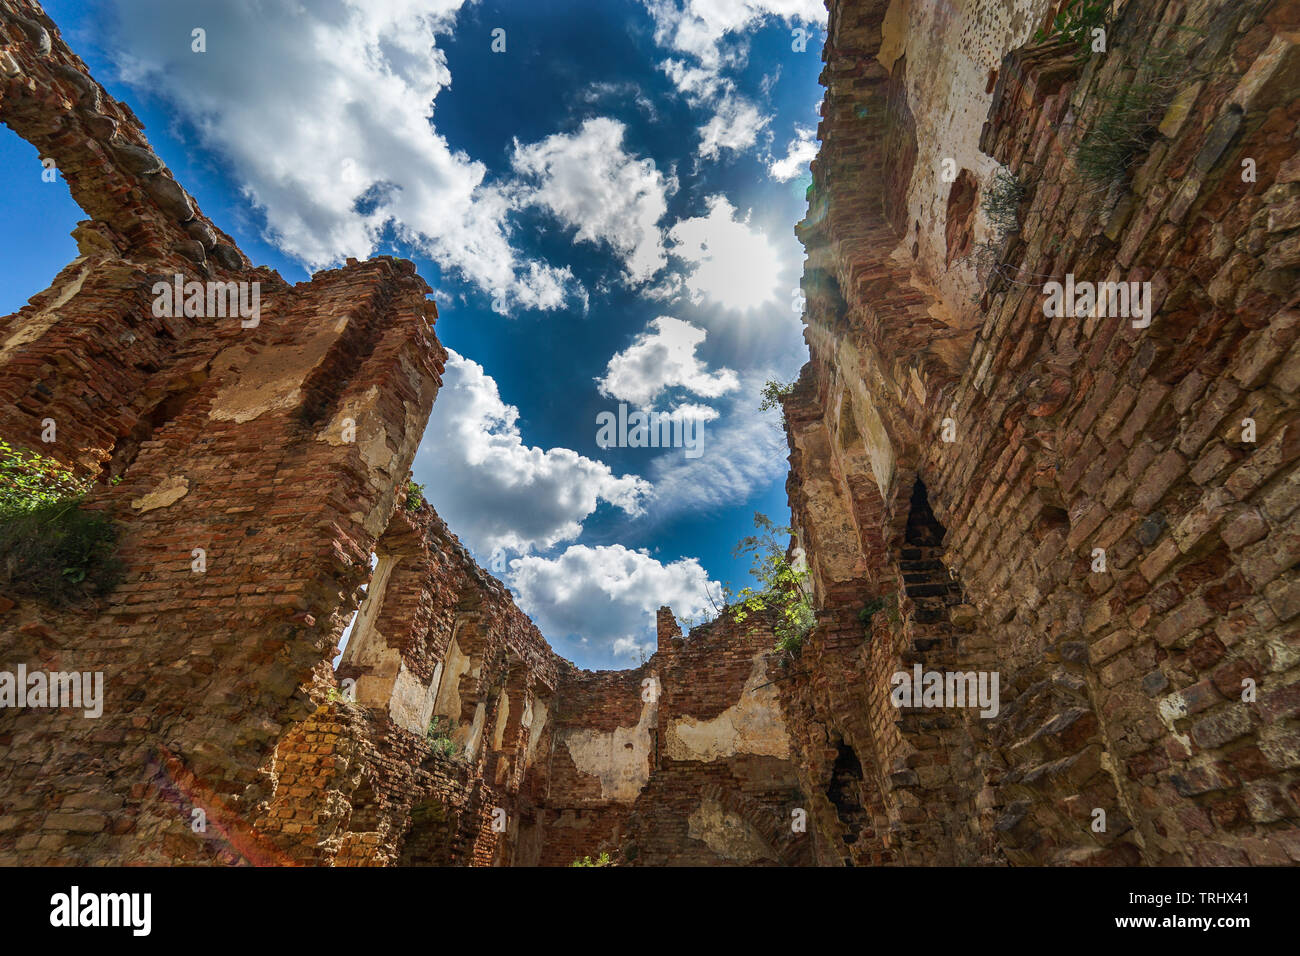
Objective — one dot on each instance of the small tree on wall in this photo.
(785, 585)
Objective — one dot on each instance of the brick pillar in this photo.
(666, 625)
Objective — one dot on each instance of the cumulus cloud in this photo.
(608, 595)
(730, 263)
(734, 126)
(494, 490)
(736, 121)
(801, 151)
(699, 27)
(324, 113)
(663, 357)
(590, 183)
(708, 37)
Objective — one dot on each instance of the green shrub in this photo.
(785, 588)
(887, 603)
(52, 549)
(439, 737)
(1128, 123)
(58, 553)
(773, 393)
(28, 480)
(1121, 135)
(602, 860)
(414, 496)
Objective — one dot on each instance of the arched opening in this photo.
(845, 794)
(40, 215)
(925, 577)
(431, 837)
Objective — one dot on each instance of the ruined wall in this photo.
(255, 466)
(683, 761)
(1072, 503)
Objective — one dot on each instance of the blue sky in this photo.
(605, 211)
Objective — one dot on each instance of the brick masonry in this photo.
(451, 734)
(1126, 689)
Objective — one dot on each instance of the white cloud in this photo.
(699, 27)
(589, 182)
(691, 412)
(801, 151)
(662, 357)
(731, 264)
(495, 491)
(745, 454)
(630, 648)
(709, 37)
(324, 113)
(609, 595)
(734, 126)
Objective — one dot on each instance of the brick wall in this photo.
(1121, 689)
(956, 466)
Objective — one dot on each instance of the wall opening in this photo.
(365, 809)
(40, 215)
(845, 794)
(431, 837)
(925, 577)
(367, 658)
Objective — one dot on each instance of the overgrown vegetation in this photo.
(885, 602)
(602, 860)
(1001, 203)
(784, 585)
(414, 495)
(336, 696)
(773, 392)
(1076, 23)
(440, 736)
(51, 548)
(1121, 134)
(1128, 124)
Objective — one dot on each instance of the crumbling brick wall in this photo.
(256, 465)
(257, 472)
(1105, 534)
(957, 467)
(684, 760)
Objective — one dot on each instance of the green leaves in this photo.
(785, 588)
(51, 548)
(28, 480)
(887, 603)
(440, 737)
(414, 496)
(1076, 22)
(773, 392)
